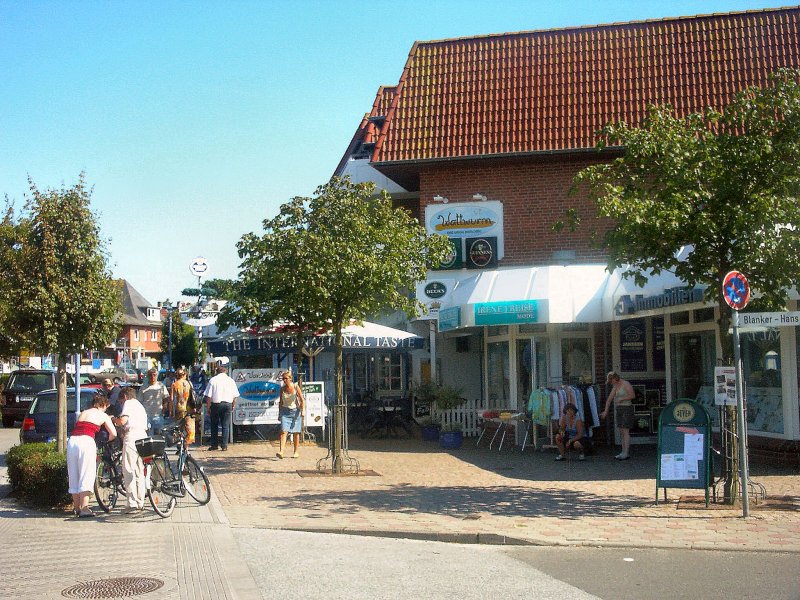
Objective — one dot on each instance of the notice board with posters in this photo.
(684, 447)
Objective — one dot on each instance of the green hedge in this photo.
(38, 475)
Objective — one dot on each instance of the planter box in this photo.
(451, 439)
(430, 433)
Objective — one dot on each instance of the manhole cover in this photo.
(118, 587)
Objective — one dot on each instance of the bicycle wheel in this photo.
(163, 504)
(196, 481)
(105, 486)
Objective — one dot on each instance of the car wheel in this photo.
(8, 422)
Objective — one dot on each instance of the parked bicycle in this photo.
(110, 483)
(178, 477)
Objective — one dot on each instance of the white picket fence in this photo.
(466, 414)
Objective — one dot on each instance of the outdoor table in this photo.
(503, 419)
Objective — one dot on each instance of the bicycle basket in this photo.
(150, 446)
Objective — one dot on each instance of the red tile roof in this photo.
(544, 91)
(369, 128)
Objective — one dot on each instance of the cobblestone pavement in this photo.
(481, 495)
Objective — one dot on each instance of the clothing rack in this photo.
(566, 394)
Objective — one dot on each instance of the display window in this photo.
(498, 374)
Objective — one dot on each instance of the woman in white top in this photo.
(82, 453)
(290, 412)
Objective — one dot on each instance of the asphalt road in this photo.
(340, 566)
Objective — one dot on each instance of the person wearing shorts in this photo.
(622, 395)
(290, 413)
(572, 434)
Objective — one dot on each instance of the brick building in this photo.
(481, 138)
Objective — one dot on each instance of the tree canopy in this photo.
(343, 254)
(725, 182)
(184, 342)
(56, 291)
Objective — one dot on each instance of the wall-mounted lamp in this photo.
(441, 199)
(480, 197)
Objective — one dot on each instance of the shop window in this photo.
(704, 315)
(390, 370)
(679, 318)
(498, 374)
(693, 357)
(575, 327)
(532, 367)
(761, 366)
(498, 330)
(576, 360)
(533, 328)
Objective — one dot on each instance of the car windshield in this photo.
(31, 382)
(48, 403)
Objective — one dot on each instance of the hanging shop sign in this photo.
(450, 318)
(432, 293)
(454, 260)
(506, 313)
(461, 220)
(480, 252)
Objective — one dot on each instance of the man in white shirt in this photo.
(220, 394)
(152, 395)
(133, 421)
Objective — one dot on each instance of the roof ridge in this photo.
(527, 32)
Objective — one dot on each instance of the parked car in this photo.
(121, 375)
(88, 380)
(22, 386)
(39, 425)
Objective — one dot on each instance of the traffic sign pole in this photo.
(740, 421)
(736, 291)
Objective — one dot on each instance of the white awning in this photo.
(548, 294)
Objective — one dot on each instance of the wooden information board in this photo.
(684, 447)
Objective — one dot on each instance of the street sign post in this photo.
(736, 291)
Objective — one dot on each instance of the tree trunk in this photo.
(61, 416)
(339, 407)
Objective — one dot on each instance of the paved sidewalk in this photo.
(477, 495)
(192, 554)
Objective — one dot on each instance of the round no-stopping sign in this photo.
(736, 290)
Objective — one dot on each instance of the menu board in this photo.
(684, 455)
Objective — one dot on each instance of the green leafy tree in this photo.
(184, 341)
(344, 254)
(726, 182)
(56, 287)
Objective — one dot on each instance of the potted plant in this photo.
(446, 397)
(451, 436)
(430, 428)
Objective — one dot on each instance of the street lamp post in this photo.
(168, 306)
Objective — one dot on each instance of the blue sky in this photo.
(194, 121)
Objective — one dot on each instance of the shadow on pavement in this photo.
(464, 502)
